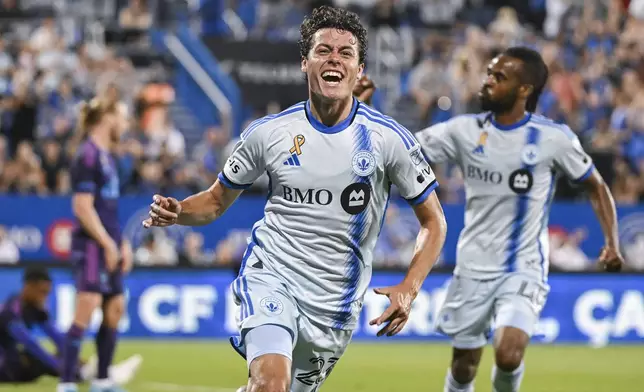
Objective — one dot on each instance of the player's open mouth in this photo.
(332, 78)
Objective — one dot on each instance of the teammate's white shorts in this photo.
(263, 298)
(471, 305)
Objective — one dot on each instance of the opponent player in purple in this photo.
(100, 255)
(22, 358)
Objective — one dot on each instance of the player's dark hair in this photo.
(326, 17)
(36, 274)
(535, 72)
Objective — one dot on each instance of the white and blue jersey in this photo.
(510, 174)
(329, 189)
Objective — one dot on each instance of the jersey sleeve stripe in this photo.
(587, 174)
(403, 131)
(424, 194)
(255, 124)
(229, 184)
(384, 124)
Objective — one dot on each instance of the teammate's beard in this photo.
(502, 105)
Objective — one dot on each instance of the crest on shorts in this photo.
(363, 163)
(271, 306)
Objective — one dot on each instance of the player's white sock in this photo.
(67, 387)
(452, 385)
(507, 381)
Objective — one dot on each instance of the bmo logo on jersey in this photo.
(322, 197)
(355, 198)
(521, 181)
(487, 176)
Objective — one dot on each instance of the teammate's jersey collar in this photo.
(339, 127)
(511, 127)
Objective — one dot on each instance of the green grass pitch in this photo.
(197, 366)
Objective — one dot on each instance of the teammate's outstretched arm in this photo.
(429, 244)
(603, 203)
(578, 166)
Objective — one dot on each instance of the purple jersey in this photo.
(95, 171)
(17, 319)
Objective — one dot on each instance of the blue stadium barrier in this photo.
(163, 304)
(41, 226)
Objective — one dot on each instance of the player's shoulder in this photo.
(266, 124)
(384, 125)
(461, 122)
(551, 129)
(87, 153)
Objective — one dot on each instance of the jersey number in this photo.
(532, 292)
(317, 376)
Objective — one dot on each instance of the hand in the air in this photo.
(164, 211)
(396, 315)
(364, 89)
(610, 259)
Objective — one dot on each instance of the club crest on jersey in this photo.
(530, 154)
(295, 151)
(363, 163)
(271, 306)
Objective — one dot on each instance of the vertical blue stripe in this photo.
(296, 160)
(290, 161)
(237, 292)
(521, 209)
(544, 225)
(247, 253)
(248, 301)
(357, 230)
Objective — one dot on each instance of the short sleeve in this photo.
(83, 171)
(572, 159)
(438, 142)
(246, 164)
(409, 170)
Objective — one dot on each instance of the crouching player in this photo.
(22, 358)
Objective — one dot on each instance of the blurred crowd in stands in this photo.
(594, 50)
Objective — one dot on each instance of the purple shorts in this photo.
(91, 274)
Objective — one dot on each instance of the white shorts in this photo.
(471, 306)
(264, 298)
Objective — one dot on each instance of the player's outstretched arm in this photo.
(429, 244)
(196, 210)
(602, 201)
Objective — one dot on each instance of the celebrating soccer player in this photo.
(510, 157)
(100, 255)
(331, 161)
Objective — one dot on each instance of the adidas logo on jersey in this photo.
(292, 161)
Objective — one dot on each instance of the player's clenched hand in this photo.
(164, 211)
(396, 315)
(364, 89)
(610, 259)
